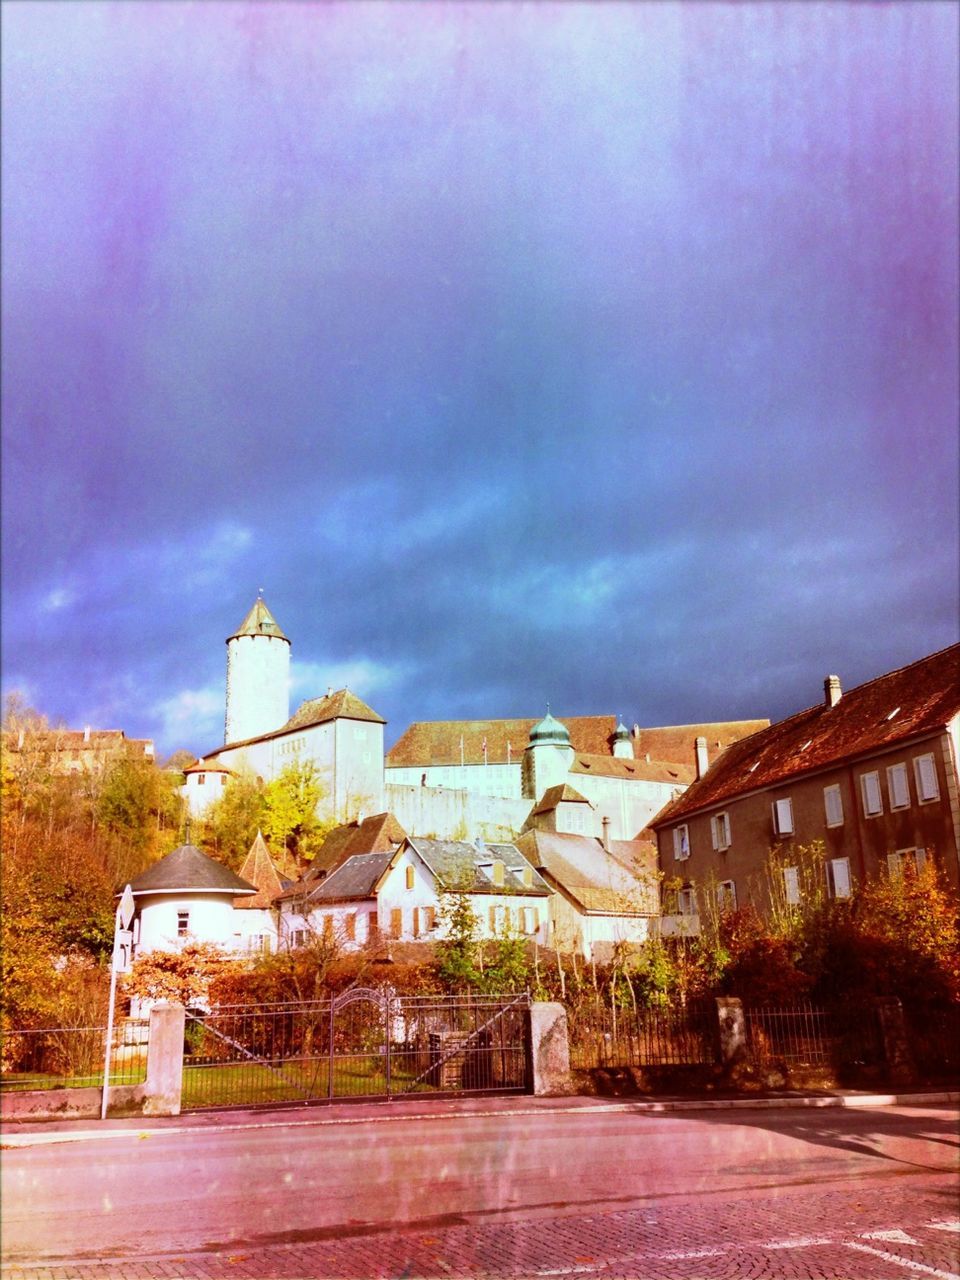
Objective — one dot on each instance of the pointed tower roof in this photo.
(258, 867)
(621, 733)
(259, 622)
(187, 870)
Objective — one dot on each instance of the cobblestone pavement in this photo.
(907, 1227)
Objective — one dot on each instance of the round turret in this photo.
(549, 732)
(258, 676)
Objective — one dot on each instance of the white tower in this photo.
(547, 757)
(258, 677)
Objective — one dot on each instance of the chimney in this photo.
(605, 838)
(831, 691)
(86, 734)
(20, 737)
(703, 761)
(360, 817)
(635, 731)
(329, 690)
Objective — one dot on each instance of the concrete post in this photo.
(733, 1030)
(164, 1060)
(549, 1049)
(896, 1042)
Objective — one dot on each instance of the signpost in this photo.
(121, 940)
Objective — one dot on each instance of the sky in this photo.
(601, 354)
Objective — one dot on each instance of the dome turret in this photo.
(549, 732)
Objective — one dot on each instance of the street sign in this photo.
(127, 907)
(122, 947)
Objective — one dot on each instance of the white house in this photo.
(401, 894)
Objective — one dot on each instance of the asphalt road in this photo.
(516, 1191)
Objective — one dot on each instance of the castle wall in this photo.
(455, 814)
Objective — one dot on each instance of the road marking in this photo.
(891, 1237)
(949, 1224)
(903, 1262)
(803, 1242)
(682, 1255)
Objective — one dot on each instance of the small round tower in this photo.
(547, 757)
(258, 676)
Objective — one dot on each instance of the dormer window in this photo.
(496, 872)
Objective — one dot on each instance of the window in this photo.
(396, 922)
(496, 871)
(416, 922)
(838, 877)
(373, 926)
(223, 779)
(409, 877)
(201, 779)
(833, 806)
(720, 830)
(681, 843)
(183, 923)
(429, 919)
(350, 926)
(727, 895)
(687, 902)
(870, 791)
(925, 771)
(913, 859)
(898, 788)
(328, 928)
(791, 886)
(783, 817)
(299, 937)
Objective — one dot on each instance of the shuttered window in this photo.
(838, 877)
(870, 791)
(898, 787)
(925, 771)
(396, 922)
(720, 830)
(350, 926)
(783, 817)
(727, 895)
(681, 842)
(791, 886)
(833, 806)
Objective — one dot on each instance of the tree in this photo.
(290, 810)
(232, 822)
(457, 950)
(183, 976)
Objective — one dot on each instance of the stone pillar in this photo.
(164, 1085)
(896, 1041)
(733, 1030)
(549, 1049)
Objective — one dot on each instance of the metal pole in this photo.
(109, 1045)
(330, 1060)
(388, 1011)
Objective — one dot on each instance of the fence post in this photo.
(733, 1030)
(549, 1049)
(896, 1043)
(164, 1086)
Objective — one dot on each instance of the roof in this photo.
(557, 795)
(640, 770)
(378, 834)
(462, 867)
(209, 765)
(258, 622)
(914, 700)
(357, 878)
(677, 743)
(92, 740)
(258, 869)
(187, 869)
(437, 742)
(342, 705)
(549, 730)
(595, 880)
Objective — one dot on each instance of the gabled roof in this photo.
(911, 701)
(357, 878)
(186, 869)
(380, 833)
(342, 705)
(558, 795)
(597, 882)
(211, 765)
(437, 742)
(258, 869)
(462, 867)
(259, 622)
(640, 770)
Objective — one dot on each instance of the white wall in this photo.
(446, 814)
(490, 779)
(212, 919)
(198, 795)
(258, 686)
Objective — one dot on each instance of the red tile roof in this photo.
(258, 870)
(557, 795)
(677, 743)
(437, 742)
(380, 833)
(903, 704)
(638, 770)
(342, 705)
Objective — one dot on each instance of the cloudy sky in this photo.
(598, 354)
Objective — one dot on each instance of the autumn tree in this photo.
(290, 818)
(231, 823)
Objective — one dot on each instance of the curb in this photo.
(9, 1141)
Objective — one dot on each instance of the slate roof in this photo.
(381, 833)
(258, 869)
(639, 770)
(596, 881)
(187, 869)
(911, 701)
(259, 622)
(558, 795)
(458, 867)
(437, 742)
(357, 878)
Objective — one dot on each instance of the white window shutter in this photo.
(791, 885)
(872, 801)
(926, 778)
(714, 832)
(897, 784)
(783, 817)
(841, 877)
(833, 806)
(893, 865)
(921, 856)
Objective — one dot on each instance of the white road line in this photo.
(891, 1237)
(948, 1224)
(682, 1255)
(903, 1262)
(802, 1242)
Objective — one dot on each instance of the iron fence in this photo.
(72, 1057)
(934, 1041)
(602, 1035)
(364, 1043)
(805, 1035)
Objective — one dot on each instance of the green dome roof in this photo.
(549, 732)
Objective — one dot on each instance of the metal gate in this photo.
(366, 1043)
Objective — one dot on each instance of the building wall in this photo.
(357, 768)
(258, 686)
(456, 815)
(201, 790)
(212, 919)
(480, 779)
(629, 803)
(865, 841)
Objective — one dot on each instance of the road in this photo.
(517, 1190)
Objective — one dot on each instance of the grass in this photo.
(295, 1080)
